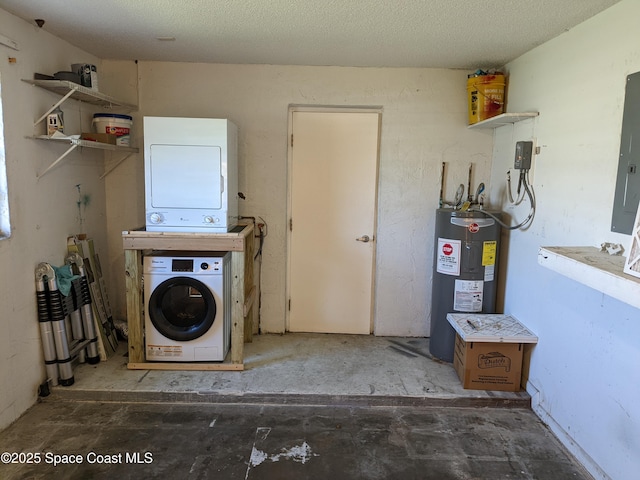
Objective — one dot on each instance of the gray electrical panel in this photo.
(627, 194)
(524, 152)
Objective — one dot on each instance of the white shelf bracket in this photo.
(56, 105)
(60, 158)
(113, 167)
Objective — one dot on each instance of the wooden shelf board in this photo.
(186, 366)
(200, 241)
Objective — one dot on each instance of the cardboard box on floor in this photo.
(488, 366)
(488, 350)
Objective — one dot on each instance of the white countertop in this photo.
(596, 269)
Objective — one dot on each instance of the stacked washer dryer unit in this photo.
(191, 184)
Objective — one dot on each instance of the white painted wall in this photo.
(584, 379)
(43, 212)
(423, 124)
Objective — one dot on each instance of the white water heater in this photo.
(191, 174)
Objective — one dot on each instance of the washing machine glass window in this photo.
(182, 308)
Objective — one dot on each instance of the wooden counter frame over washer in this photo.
(241, 245)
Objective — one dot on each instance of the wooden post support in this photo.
(133, 283)
(237, 302)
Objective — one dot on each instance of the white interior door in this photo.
(333, 190)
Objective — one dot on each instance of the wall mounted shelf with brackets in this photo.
(76, 142)
(70, 90)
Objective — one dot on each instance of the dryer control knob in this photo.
(210, 219)
(204, 266)
(156, 218)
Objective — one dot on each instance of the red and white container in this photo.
(114, 124)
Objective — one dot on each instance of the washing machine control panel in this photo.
(195, 265)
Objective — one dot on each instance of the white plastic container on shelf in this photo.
(114, 124)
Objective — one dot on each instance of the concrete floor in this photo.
(298, 368)
(306, 407)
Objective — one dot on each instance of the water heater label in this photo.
(468, 295)
(489, 273)
(448, 256)
(489, 250)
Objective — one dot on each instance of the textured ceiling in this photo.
(463, 34)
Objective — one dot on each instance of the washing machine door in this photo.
(182, 308)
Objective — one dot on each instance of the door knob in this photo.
(364, 239)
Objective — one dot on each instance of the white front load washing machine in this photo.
(187, 302)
